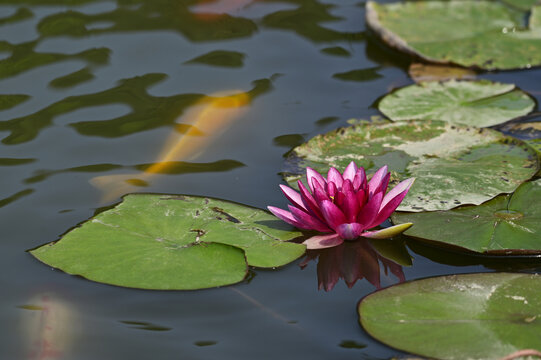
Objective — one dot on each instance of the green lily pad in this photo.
(473, 316)
(475, 103)
(482, 34)
(453, 165)
(173, 242)
(507, 224)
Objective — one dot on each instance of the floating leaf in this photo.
(172, 242)
(508, 224)
(473, 316)
(535, 144)
(482, 34)
(428, 72)
(453, 165)
(475, 103)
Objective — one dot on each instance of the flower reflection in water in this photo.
(355, 260)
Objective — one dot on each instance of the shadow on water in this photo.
(141, 325)
(306, 20)
(457, 258)
(172, 168)
(24, 57)
(148, 112)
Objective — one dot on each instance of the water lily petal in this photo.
(323, 241)
(317, 185)
(370, 210)
(287, 217)
(331, 189)
(309, 201)
(387, 232)
(349, 231)
(308, 220)
(383, 185)
(293, 196)
(362, 197)
(320, 195)
(391, 201)
(339, 199)
(335, 176)
(350, 171)
(375, 183)
(347, 186)
(359, 181)
(350, 206)
(332, 214)
(399, 191)
(311, 174)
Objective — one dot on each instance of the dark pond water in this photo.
(101, 85)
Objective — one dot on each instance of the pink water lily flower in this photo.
(343, 205)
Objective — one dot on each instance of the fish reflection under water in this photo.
(208, 117)
(49, 323)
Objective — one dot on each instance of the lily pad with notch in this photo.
(481, 34)
(173, 242)
(453, 165)
(505, 225)
(472, 316)
(475, 103)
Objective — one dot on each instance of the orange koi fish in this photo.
(209, 118)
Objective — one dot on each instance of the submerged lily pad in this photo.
(173, 242)
(453, 165)
(504, 225)
(475, 103)
(483, 34)
(473, 316)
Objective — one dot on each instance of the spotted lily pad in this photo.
(483, 34)
(173, 242)
(473, 316)
(504, 225)
(478, 103)
(453, 165)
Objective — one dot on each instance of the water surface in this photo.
(94, 88)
